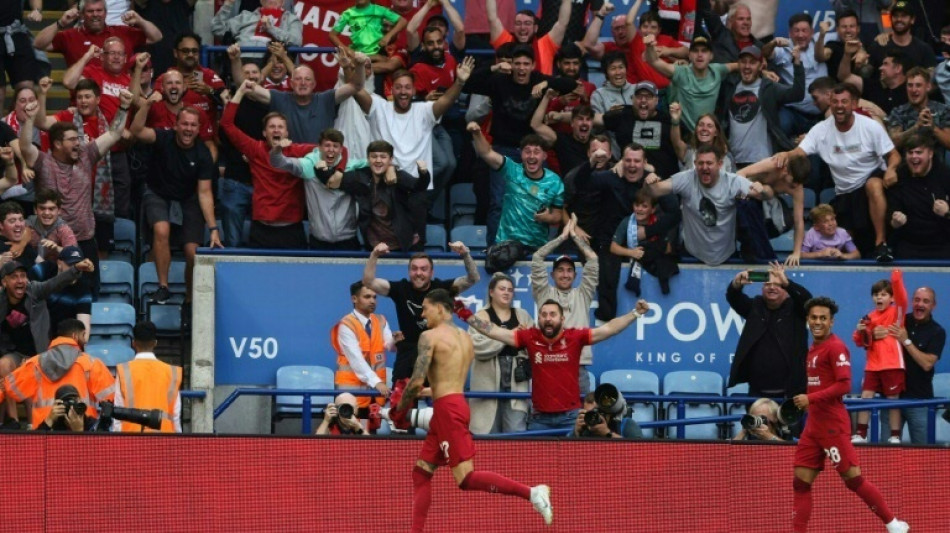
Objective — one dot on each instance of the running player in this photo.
(445, 355)
(828, 429)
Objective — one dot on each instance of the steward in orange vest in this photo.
(64, 363)
(361, 339)
(147, 383)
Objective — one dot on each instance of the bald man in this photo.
(334, 424)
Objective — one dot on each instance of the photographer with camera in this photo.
(761, 422)
(339, 418)
(605, 414)
(68, 413)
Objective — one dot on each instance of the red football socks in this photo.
(492, 482)
(421, 498)
(802, 505)
(871, 496)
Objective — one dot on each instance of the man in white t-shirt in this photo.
(709, 197)
(407, 125)
(863, 162)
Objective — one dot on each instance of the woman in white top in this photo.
(496, 366)
(708, 131)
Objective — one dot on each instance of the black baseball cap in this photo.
(71, 255)
(904, 7)
(562, 258)
(11, 267)
(699, 40)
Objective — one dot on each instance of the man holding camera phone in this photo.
(770, 355)
(339, 418)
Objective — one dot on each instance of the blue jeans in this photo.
(583, 380)
(563, 420)
(916, 419)
(234, 200)
(497, 189)
(443, 158)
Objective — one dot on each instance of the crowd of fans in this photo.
(707, 130)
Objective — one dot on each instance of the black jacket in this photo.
(793, 335)
(771, 98)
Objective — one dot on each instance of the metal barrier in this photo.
(208, 49)
(852, 404)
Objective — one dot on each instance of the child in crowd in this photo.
(825, 240)
(50, 232)
(652, 254)
(365, 21)
(884, 371)
(277, 68)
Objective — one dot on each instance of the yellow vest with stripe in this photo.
(150, 384)
(373, 350)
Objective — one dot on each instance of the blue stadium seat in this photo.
(942, 390)
(117, 282)
(111, 320)
(637, 382)
(741, 389)
(592, 379)
(435, 238)
(112, 353)
(694, 382)
(826, 195)
(148, 282)
(303, 377)
(475, 237)
(125, 238)
(167, 318)
(462, 204)
(784, 242)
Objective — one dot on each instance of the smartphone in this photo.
(758, 276)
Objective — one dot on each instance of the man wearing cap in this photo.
(695, 86)
(64, 363)
(575, 301)
(75, 299)
(643, 123)
(902, 39)
(147, 383)
(749, 108)
(730, 38)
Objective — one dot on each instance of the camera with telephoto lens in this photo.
(609, 402)
(344, 410)
(592, 417)
(752, 422)
(74, 404)
(148, 418)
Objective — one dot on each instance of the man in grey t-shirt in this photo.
(708, 201)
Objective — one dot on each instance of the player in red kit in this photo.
(828, 429)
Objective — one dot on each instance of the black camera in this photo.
(148, 418)
(75, 404)
(751, 422)
(522, 369)
(344, 410)
(592, 417)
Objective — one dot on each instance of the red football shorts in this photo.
(888, 382)
(449, 442)
(814, 447)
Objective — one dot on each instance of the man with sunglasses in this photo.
(708, 201)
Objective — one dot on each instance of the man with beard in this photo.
(203, 84)
(62, 37)
(526, 33)
(407, 296)
(178, 194)
(408, 127)
(555, 354)
(770, 354)
(571, 149)
(918, 203)
(917, 52)
(853, 146)
(68, 167)
(920, 114)
(708, 198)
(361, 340)
(169, 101)
(534, 196)
(616, 198)
(644, 124)
(785, 56)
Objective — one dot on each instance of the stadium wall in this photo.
(155, 483)
(254, 314)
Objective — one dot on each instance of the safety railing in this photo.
(680, 401)
(209, 49)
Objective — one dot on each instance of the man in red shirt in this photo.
(277, 203)
(109, 73)
(203, 84)
(828, 428)
(72, 42)
(555, 355)
(526, 32)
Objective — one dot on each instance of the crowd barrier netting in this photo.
(138, 483)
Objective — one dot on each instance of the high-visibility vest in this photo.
(150, 384)
(90, 377)
(373, 349)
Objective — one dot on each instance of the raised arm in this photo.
(28, 151)
(462, 74)
(44, 39)
(483, 149)
(355, 78)
(822, 53)
(9, 168)
(141, 59)
(471, 277)
(591, 40)
(42, 121)
(537, 119)
(653, 59)
(138, 128)
(556, 33)
(412, 28)
(676, 136)
(151, 31)
(256, 92)
(619, 323)
(379, 285)
(105, 141)
(495, 27)
(74, 73)
(798, 224)
(458, 37)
